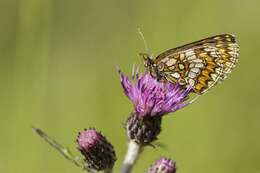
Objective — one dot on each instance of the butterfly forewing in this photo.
(201, 64)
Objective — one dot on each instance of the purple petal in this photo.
(153, 98)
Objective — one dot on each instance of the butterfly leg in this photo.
(194, 99)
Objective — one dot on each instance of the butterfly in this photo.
(200, 64)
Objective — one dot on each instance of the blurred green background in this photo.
(57, 72)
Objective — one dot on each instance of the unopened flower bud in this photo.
(99, 154)
(163, 165)
(143, 130)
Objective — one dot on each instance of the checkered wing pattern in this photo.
(201, 64)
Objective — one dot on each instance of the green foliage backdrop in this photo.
(57, 72)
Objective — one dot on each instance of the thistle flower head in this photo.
(163, 165)
(151, 97)
(99, 154)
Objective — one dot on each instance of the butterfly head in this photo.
(151, 66)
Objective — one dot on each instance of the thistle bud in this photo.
(163, 165)
(99, 154)
(143, 130)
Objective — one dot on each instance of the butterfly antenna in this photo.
(144, 41)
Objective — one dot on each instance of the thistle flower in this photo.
(163, 165)
(152, 100)
(151, 97)
(99, 154)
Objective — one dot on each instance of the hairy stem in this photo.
(131, 156)
(63, 150)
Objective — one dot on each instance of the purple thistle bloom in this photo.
(151, 97)
(163, 165)
(98, 152)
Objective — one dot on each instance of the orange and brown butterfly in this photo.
(200, 65)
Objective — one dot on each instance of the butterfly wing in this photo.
(201, 64)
